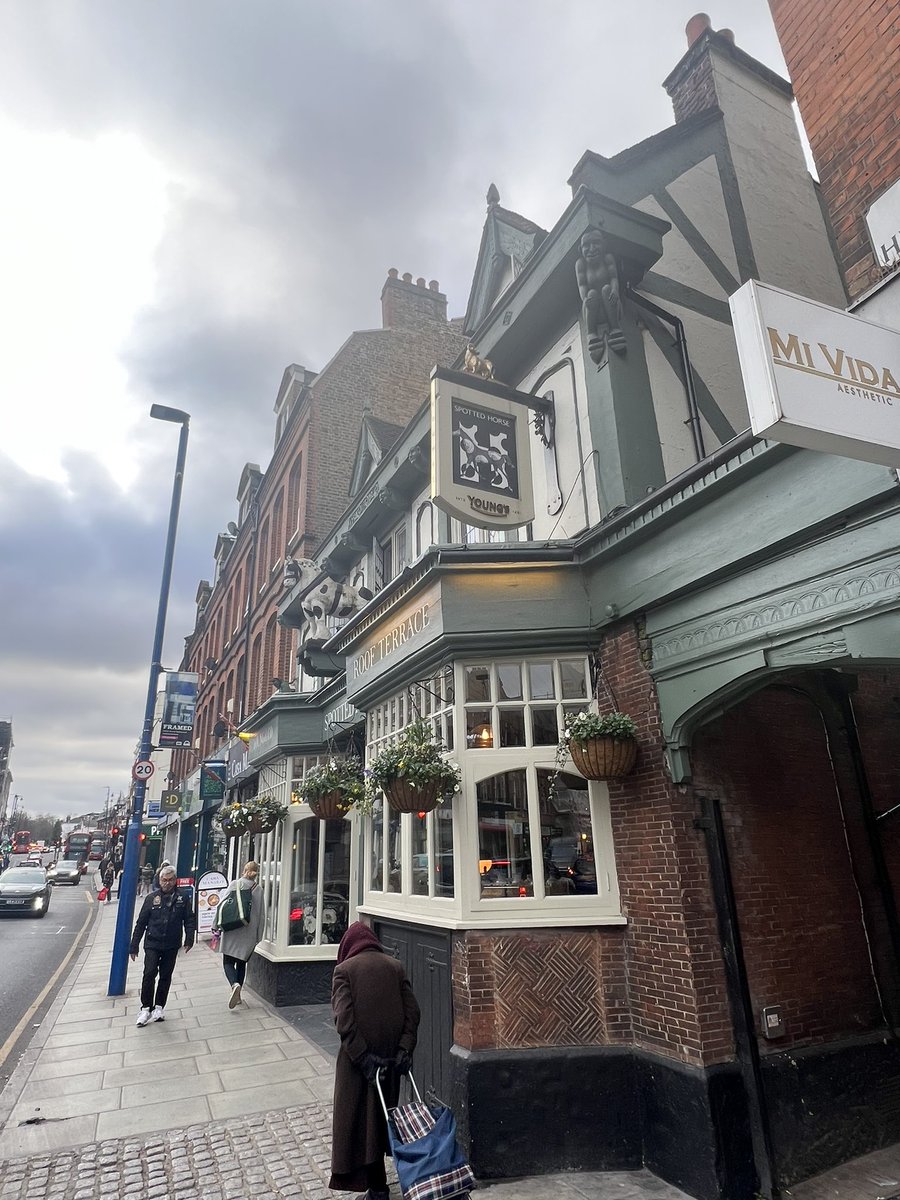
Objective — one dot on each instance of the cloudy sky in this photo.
(197, 194)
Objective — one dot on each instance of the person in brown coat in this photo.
(377, 1017)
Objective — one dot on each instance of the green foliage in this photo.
(344, 775)
(235, 817)
(582, 727)
(416, 756)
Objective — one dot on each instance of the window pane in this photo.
(449, 687)
(512, 727)
(336, 886)
(400, 555)
(479, 732)
(304, 871)
(376, 866)
(448, 740)
(478, 684)
(509, 681)
(419, 855)
(544, 731)
(393, 850)
(572, 680)
(567, 837)
(503, 836)
(443, 836)
(540, 681)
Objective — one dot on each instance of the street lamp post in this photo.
(128, 886)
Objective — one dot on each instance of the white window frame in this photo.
(467, 908)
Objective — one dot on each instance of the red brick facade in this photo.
(842, 58)
(302, 494)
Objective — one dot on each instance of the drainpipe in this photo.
(676, 323)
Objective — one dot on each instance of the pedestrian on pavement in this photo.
(377, 1017)
(145, 880)
(108, 875)
(162, 866)
(166, 920)
(237, 945)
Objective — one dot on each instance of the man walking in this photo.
(166, 920)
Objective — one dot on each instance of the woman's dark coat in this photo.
(375, 1012)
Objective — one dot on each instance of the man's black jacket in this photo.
(167, 920)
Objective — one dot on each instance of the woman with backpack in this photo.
(243, 907)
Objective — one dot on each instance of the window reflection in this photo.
(420, 857)
(393, 851)
(319, 908)
(443, 837)
(503, 836)
(566, 836)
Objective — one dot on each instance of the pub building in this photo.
(693, 967)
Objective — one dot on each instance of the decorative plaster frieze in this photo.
(786, 613)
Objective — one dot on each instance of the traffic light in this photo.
(114, 832)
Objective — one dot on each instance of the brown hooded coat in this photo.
(375, 1012)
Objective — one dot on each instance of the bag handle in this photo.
(381, 1094)
(240, 903)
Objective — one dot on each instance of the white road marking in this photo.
(7, 1046)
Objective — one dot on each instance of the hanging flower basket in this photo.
(333, 806)
(333, 788)
(412, 771)
(604, 757)
(601, 747)
(259, 814)
(405, 797)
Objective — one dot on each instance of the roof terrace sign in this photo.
(818, 377)
(480, 453)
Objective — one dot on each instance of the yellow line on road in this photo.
(7, 1046)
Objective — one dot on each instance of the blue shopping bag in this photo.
(428, 1160)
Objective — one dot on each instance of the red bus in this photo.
(78, 844)
(21, 841)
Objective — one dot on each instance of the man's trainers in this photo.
(143, 1017)
(235, 999)
(158, 1014)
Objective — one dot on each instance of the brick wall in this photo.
(842, 58)
(798, 905)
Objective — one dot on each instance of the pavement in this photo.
(210, 1104)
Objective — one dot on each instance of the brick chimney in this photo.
(692, 84)
(408, 304)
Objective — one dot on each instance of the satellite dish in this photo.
(232, 529)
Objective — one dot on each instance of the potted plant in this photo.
(259, 814)
(601, 747)
(412, 771)
(333, 788)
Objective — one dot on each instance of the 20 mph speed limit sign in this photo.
(143, 769)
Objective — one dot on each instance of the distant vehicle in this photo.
(24, 891)
(21, 841)
(98, 844)
(67, 870)
(34, 860)
(78, 844)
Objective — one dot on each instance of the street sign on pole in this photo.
(142, 770)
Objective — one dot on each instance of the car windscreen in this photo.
(70, 864)
(22, 877)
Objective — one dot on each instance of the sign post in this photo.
(118, 971)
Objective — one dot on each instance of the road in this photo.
(31, 950)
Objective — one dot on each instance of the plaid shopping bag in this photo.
(427, 1158)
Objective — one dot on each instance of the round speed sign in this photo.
(143, 769)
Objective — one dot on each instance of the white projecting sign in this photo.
(883, 220)
(480, 453)
(817, 376)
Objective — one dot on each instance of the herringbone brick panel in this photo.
(547, 991)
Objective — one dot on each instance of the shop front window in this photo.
(318, 911)
(510, 704)
(504, 837)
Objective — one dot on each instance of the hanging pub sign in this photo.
(818, 377)
(212, 782)
(177, 727)
(480, 453)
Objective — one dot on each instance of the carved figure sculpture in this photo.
(299, 569)
(475, 365)
(326, 600)
(601, 301)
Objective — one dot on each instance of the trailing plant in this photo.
(237, 816)
(417, 758)
(343, 775)
(584, 728)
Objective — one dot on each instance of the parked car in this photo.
(25, 891)
(67, 870)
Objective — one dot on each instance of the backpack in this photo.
(234, 911)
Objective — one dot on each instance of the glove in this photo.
(402, 1062)
(371, 1064)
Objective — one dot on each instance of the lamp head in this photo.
(160, 412)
